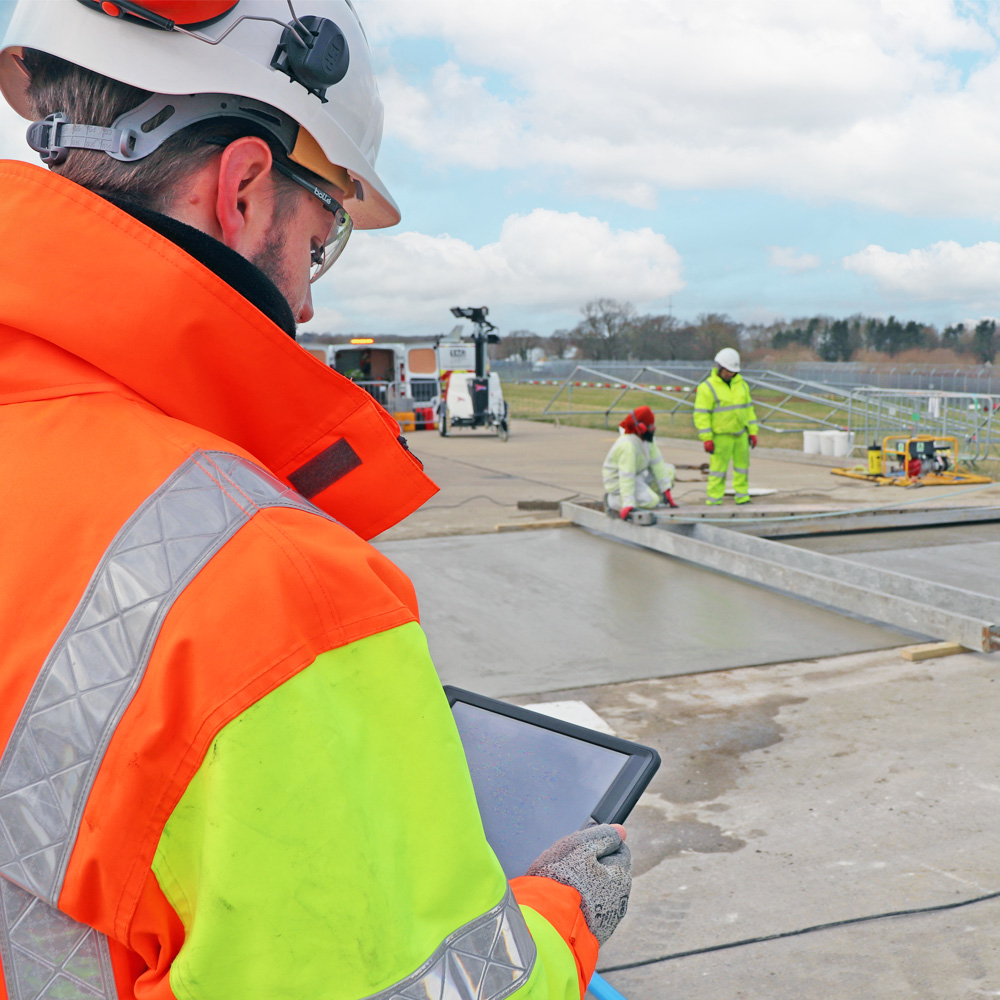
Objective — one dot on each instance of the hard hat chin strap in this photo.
(141, 131)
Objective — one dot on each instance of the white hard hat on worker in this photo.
(729, 359)
(330, 119)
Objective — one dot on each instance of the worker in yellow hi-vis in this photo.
(727, 425)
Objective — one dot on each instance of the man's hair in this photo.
(89, 98)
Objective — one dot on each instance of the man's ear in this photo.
(244, 204)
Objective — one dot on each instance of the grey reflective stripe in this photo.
(737, 469)
(487, 959)
(711, 389)
(701, 409)
(735, 406)
(48, 955)
(93, 670)
(721, 474)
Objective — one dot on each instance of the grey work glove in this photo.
(598, 864)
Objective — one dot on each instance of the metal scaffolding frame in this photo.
(680, 395)
(869, 412)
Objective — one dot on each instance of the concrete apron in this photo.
(804, 794)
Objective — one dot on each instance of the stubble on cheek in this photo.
(270, 259)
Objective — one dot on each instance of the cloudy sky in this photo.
(770, 159)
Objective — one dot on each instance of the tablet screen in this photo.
(533, 785)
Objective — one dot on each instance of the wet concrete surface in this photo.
(530, 612)
(965, 556)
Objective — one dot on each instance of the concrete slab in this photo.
(888, 541)
(971, 566)
(807, 793)
(963, 556)
(508, 614)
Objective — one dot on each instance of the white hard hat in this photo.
(256, 51)
(729, 359)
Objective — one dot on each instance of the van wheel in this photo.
(443, 420)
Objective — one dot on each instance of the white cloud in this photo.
(791, 260)
(943, 271)
(548, 262)
(854, 99)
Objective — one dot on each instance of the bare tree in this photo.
(658, 338)
(602, 334)
(517, 344)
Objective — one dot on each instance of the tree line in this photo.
(613, 330)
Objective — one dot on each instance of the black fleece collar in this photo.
(235, 270)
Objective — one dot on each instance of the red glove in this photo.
(710, 446)
(626, 511)
(669, 498)
(753, 440)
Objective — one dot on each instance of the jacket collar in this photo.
(234, 269)
(735, 380)
(94, 282)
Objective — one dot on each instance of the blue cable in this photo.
(600, 989)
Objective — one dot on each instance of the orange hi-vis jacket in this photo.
(227, 768)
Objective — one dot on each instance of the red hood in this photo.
(123, 303)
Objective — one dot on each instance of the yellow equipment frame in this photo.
(891, 451)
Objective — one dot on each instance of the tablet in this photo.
(538, 778)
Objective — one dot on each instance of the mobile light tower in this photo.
(475, 399)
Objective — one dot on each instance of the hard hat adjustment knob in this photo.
(313, 51)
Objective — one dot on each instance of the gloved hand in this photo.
(710, 446)
(669, 499)
(753, 440)
(598, 865)
(625, 512)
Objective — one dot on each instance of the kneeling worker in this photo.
(727, 425)
(635, 474)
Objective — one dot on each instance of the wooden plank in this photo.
(932, 650)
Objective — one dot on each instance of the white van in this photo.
(399, 374)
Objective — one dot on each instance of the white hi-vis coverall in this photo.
(635, 474)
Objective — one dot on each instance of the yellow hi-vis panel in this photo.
(330, 842)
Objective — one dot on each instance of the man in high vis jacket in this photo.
(634, 472)
(727, 425)
(227, 767)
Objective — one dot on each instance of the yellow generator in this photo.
(920, 460)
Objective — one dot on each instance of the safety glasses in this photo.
(324, 256)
